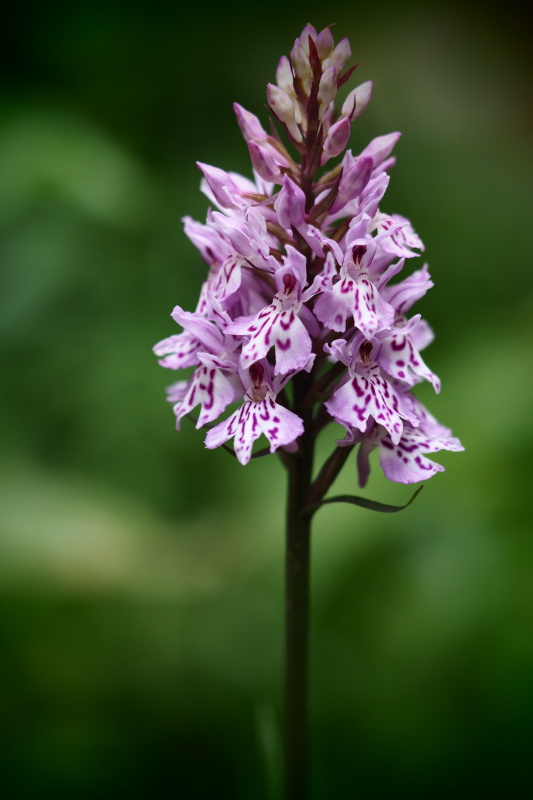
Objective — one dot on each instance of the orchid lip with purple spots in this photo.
(302, 265)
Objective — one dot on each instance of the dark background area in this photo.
(141, 575)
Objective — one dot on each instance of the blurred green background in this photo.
(141, 575)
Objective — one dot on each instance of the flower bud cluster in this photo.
(300, 285)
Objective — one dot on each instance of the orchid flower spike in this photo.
(302, 319)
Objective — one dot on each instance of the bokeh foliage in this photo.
(140, 575)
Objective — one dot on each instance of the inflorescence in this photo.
(301, 262)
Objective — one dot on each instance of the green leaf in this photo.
(372, 505)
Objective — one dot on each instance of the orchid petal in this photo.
(281, 427)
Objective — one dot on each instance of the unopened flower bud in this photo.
(249, 124)
(324, 43)
(300, 62)
(285, 80)
(387, 164)
(290, 204)
(220, 184)
(308, 31)
(355, 178)
(357, 100)
(284, 76)
(327, 89)
(337, 139)
(340, 56)
(380, 147)
(283, 107)
(264, 163)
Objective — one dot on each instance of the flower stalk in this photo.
(297, 591)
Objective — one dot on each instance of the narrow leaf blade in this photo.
(363, 502)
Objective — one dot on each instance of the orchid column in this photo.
(299, 323)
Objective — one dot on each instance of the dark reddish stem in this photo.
(297, 581)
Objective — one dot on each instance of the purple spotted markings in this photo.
(258, 414)
(302, 280)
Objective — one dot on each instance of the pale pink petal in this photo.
(278, 424)
(406, 461)
(210, 388)
(368, 395)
